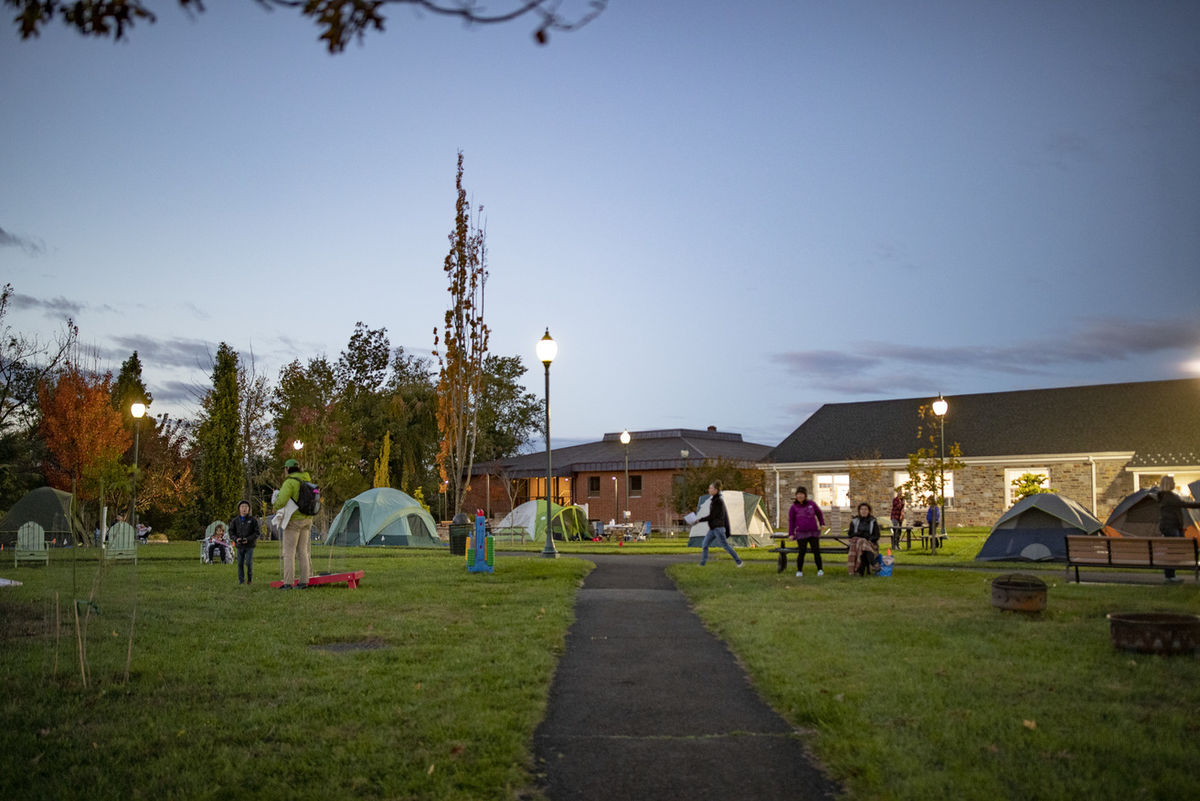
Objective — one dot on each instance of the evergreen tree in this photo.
(218, 456)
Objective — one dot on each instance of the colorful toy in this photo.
(481, 548)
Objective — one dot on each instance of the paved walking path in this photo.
(647, 704)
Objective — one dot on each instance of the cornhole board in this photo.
(350, 579)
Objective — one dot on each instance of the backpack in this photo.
(308, 499)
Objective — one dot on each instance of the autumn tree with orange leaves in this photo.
(463, 349)
(82, 432)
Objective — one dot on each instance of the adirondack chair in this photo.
(122, 543)
(31, 545)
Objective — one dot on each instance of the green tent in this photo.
(382, 516)
(570, 522)
(50, 509)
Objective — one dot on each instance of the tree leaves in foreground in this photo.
(339, 21)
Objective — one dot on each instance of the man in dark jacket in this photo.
(244, 532)
(1170, 516)
(718, 525)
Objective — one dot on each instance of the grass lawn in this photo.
(916, 688)
(426, 682)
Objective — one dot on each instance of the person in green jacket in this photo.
(297, 566)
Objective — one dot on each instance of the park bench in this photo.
(830, 543)
(1153, 553)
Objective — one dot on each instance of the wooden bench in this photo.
(783, 549)
(1152, 553)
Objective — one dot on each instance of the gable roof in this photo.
(648, 450)
(1151, 419)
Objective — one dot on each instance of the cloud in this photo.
(163, 353)
(55, 307)
(875, 368)
(176, 392)
(33, 247)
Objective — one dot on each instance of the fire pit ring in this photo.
(1019, 592)
(1167, 633)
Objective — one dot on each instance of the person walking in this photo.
(718, 525)
(804, 526)
(1170, 516)
(244, 530)
(297, 567)
(863, 533)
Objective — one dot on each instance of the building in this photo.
(593, 474)
(1095, 444)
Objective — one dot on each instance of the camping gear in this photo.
(382, 516)
(1034, 529)
(50, 509)
(748, 520)
(886, 563)
(569, 522)
(1137, 516)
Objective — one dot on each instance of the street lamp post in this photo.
(547, 349)
(625, 441)
(940, 407)
(138, 410)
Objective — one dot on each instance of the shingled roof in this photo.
(666, 449)
(1152, 419)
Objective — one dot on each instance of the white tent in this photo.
(746, 516)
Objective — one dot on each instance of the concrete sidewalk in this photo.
(647, 704)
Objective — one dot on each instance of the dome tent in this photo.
(1137, 516)
(570, 522)
(749, 523)
(1035, 528)
(382, 516)
(50, 509)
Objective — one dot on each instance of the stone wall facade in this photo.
(980, 495)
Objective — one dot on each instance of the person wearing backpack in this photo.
(297, 567)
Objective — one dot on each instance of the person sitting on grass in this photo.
(864, 542)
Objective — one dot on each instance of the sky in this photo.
(726, 214)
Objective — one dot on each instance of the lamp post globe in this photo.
(940, 407)
(547, 349)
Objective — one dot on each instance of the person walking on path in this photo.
(718, 525)
(296, 562)
(804, 526)
(1170, 516)
(244, 531)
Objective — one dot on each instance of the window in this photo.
(1011, 474)
(635, 486)
(833, 490)
(593, 486)
(901, 477)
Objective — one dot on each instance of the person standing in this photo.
(297, 567)
(932, 516)
(864, 541)
(804, 526)
(1170, 516)
(244, 531)
(718, 525)
(897, 514)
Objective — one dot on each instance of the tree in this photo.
(25, 363)
(130, 389)
(412, 410)
(254, 434)
(218, 457)
(464, 342)
(1030, 484)
(508, 415)
(83, 433)
(693, 481)
(926, 466)
(382, 476)
(338, 20)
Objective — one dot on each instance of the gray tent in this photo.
(50, 509)
(382, 516)
(1035, 528)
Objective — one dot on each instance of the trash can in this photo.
(458, 538)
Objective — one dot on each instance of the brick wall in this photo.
(652, 504)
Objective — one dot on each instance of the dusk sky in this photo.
(726, 213)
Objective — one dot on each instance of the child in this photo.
(804, 526)
(245, 532)
(218, 545)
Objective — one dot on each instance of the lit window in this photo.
(1011, 474)
(833, 490)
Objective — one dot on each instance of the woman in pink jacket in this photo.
(804, 526)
